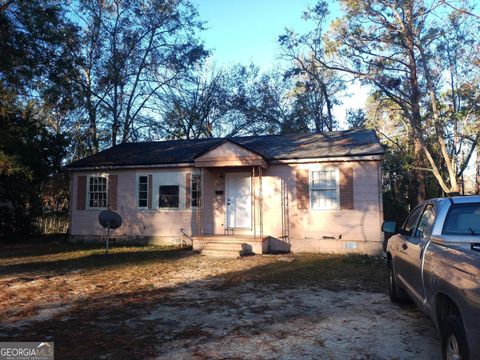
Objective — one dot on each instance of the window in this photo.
(97, 191)
(324, 189)
(412, 221)
(142, 199)
(463, 219)
(424, 228)
(168, 196)
(196, 190)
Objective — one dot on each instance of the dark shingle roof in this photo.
(271, 147)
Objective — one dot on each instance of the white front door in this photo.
(239, 200)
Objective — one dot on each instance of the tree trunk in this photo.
(417, 188)
(418, 191)
(92, 119)
(419, 175)
(329, 107)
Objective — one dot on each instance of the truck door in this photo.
(413, 255)
(399, 261)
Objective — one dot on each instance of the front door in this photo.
(239, 200)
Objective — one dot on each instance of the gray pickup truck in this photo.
(434, 259)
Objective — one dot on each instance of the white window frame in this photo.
(191, 189)
(310, 189)
(87, 200)
(137, 190)
(157, 180)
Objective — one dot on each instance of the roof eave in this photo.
(121, 167)
(361, 157)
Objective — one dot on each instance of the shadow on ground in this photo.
(90, 258)
(276, 307)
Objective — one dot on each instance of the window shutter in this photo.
(112, 191)
(81, 192)
(149, 196)
(346, 187)
(303, 189)
(188, 178)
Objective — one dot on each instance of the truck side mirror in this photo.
(389, 227)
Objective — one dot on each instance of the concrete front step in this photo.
(228, 239)
(222, 253)
(222, 245)
(247, 244)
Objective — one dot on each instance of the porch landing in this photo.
(231, 246)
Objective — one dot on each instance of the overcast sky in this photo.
(246, 31)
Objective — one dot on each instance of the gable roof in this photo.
(271, 147)
(226, 141)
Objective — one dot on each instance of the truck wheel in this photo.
(454, 341)
(396, 293)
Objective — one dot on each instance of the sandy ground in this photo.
(151, 304)
(248, 322)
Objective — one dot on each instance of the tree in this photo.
(235, 101)
(356, 118)
(270, 107)
(35, 37)
(459, 99)
(317, 86)
(30, 154)
(399, 162)
(393, 46)
(131, 50)
(195, 107)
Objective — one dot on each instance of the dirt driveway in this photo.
(146, 302)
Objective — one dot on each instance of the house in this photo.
(295, 192)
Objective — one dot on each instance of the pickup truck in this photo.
(434, 259)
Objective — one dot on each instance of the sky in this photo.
(246, 31)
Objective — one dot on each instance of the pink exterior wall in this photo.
(137, 223)
(356, 230)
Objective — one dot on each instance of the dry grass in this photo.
(90, 303)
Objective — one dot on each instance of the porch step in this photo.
(222, 253)
(224, 245)
(229, 246)
(228, 239)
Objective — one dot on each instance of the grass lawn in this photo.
(136, 302)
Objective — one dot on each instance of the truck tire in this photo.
(454, 340)
(396, 293)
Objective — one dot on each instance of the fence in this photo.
(51, 225)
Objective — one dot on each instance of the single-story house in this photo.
(295, 192)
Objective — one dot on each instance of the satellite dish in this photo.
(109, 220)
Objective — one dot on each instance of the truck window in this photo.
(463, 219)
(412, 221)
(424, 228)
